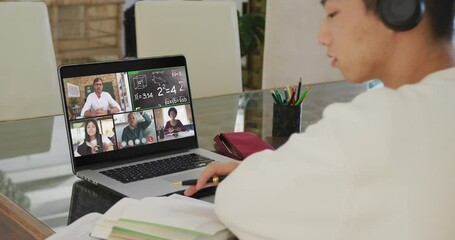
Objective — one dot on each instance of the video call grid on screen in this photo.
(149, 96)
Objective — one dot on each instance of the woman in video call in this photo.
(173, 125)
(94, 141)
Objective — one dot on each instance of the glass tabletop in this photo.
(35, 169)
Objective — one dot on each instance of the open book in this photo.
(173, 217)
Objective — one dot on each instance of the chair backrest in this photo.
(28, 71)
(205, 32)
(291, 49)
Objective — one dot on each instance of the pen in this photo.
(298, 90)
(289, 93)
(286, 95)
(189, 182)
(292, 101)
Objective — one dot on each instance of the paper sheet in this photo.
(80, 229)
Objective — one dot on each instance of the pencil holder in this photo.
(286, 120)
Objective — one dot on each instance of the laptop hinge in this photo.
(86, 179)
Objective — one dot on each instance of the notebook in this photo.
(130, 125)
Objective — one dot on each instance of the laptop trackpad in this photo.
(182, 176)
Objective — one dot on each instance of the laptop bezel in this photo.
(124, 155)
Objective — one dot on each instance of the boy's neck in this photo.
(413, 63)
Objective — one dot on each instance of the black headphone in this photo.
(401, 15)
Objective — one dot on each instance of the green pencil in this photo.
(303, 95)
(278, 96)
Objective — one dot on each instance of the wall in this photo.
(291, 49)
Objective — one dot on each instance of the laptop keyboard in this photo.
(157, 168)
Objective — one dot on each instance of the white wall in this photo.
(291, 49)
(237, 2)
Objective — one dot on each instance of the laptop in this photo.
(131, 126)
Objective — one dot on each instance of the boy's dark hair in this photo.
(440, 14)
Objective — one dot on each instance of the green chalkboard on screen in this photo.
(158, 87)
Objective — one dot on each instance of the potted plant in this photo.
(74, 102)
(251, 32)
(74, 107)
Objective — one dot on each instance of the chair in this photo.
(291, 49)
(28, 72)
(205, 32)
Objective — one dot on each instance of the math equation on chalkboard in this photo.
(158, 87)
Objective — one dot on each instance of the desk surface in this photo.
(35, 170)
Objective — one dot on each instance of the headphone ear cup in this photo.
(401, 15)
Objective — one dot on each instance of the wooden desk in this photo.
(18, 224)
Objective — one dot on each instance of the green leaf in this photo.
(251, 32)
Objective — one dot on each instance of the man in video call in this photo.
(134, 133)
(99, 103)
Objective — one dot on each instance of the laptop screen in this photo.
(127, 109)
